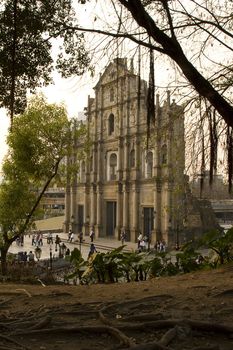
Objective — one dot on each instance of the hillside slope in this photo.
(192, 311)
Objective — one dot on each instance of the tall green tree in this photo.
(27, 31)
(38, 142)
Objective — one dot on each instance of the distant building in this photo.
(122, 183)
(217, 194)
(53, 201)
(218, 190)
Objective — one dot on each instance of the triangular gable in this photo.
(114, 70)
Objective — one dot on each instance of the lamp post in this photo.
(50, 256)
(80, 241)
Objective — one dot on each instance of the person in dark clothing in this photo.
(92, 234)
(57, 242)
(92, 250)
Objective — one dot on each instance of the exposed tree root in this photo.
(211, 347)
(144, 317)
(24, 291)
(227, 292)
(8, 339)
(136, 302)
(118, 334)
(42, 323)
(168, 336)
(3, 302)
(150, 346)
(104, 319)
(199, 325)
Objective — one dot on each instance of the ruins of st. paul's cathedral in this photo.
(128, 181)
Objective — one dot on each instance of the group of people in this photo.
(160, 246)
(143, 242)
(81, 240)
(26, 257)
(37, 239)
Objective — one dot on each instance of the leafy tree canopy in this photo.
(38, 142)
(27, 30)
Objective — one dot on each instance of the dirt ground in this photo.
(192, 311)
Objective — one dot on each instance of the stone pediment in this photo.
(113, 71)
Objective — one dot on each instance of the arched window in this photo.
(149, 163)
(132, 158)
(111, 124)
(113, 166)
(164, 154)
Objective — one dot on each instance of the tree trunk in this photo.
(171, 47)
(3, 261)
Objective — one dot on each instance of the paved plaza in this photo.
(102, 245)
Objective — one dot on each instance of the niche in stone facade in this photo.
(149, 164)
(164, 155)
(132, 158)
(112, 167)
(111, 124)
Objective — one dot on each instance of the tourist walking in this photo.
(123, 237)
(140, 237)
(57, 242)
(92, 234)
(69, 234)
(71, 237)
(92, 250)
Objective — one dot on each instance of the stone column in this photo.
(67, 208)
(135, 218)
(92, 206)
(125, 206)
(167, 214)
(99, 206)
(86, 211)
(157, 206)
(119, 210)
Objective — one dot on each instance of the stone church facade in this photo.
(127, 182)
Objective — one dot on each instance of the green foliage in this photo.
(16, 201)
(129, 265)
(78, 264)
(156, 266)
(38, 142)
(103, 267)
(220, 243)
(187, 259)
(39, 139)
(27, 30)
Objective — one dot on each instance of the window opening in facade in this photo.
(149, 159)
(111, 95)
(111, 124)
(82, 172)
(132, 158)
(111, 218)
(148, 225)
(80, 217)
(164, 154)
(113, 166)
